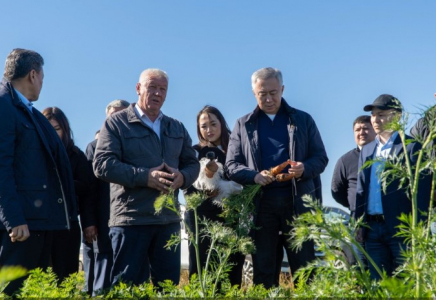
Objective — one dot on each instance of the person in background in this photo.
(98, 255)
(144, 153)
(36, 183)
(213, 135)
(66, 243)
(271, 135)
(381, 209)
(344, 179)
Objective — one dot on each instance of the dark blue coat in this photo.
(395, 200)
(305, 145)
(36, 184)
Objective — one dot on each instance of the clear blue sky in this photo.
(336, 56)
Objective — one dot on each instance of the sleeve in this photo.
(189, 165)
(84, 183)
(11, 212)
(236, 164)
(340, 184)
(317, 159)
(107, 162)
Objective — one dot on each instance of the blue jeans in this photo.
(139, 252)
(383, 248)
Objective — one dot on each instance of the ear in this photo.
(283, 88)
(138, 87)
(31, 76)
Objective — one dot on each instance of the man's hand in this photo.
(90, 234)
(296, 169)
(19, 233)
(263, 178)
(177, 177)
(359, 235)
(159, 179)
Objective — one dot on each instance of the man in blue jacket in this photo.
(381, 209)
(36, 185)
(273, 133)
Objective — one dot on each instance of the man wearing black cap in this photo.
(381, 209)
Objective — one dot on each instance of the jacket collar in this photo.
(289, 110)
(133, 117)
(9, 88)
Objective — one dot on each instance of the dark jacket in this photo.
(84, 186)
(305, 145)
(36, 184)
(126, 150)
(344, 179)
(102, 211)
(395, 200)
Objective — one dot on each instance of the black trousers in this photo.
(275, 215)
(237, 259)
(65, 251)
(30, 254)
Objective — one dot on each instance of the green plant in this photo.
(8, 274)
(225, 239)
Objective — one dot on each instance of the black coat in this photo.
(36, 184)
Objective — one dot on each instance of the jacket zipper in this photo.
(63, 197)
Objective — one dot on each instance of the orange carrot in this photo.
(284, 177)
(277, 169)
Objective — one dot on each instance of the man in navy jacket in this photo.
(382, 209)
(273, 133)
(36, 185)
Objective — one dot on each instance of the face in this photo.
(152, 91)
(37, 79)
(210, 128)
(379, 118)
(363, 133)
(268, 94)
(56, 127)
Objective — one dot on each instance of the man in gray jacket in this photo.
(270, 135)
(144, 153)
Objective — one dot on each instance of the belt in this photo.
(376, 218)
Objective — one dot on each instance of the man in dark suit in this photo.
(36, 185)
(382, 209)
(97, 254)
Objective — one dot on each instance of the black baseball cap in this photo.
(385, 102)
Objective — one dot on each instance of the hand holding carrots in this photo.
(263, 178)
(297, 169)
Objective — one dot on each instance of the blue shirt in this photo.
(144, 118)
(375, 197)
(26, 102)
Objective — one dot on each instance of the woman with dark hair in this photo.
(213, 135)
(66, 243)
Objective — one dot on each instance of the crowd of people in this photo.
(47, 183)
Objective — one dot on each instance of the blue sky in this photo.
(336, 57)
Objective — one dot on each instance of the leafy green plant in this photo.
(9, 273)
(225, 239)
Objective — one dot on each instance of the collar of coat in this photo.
(289, 110)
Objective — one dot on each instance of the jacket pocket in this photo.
(138, 144)
(173, 144)
(34, 201)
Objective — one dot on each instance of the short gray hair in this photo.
(20, 62)
(266, 73)
(156, 72)
(117, 103)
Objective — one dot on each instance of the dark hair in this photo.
(55, 113)
(20, 62)
(362, 119)
(225, 131)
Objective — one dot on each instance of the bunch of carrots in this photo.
(282, 177)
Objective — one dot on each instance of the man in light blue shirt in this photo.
(381, 209)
